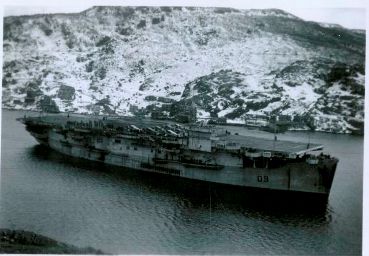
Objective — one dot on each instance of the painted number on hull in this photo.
(263, 178)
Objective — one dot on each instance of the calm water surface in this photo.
(85, 204)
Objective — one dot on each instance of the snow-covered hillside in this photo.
(149, 60)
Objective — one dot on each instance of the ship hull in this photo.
(293, 177)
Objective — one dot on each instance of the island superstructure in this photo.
(205, 153)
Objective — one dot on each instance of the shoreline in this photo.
(25, 242)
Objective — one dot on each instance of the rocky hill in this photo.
(157, 61)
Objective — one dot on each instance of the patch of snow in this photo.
(236, 121)
(202, 114)
(223, 112)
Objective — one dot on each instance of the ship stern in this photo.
(39, 130)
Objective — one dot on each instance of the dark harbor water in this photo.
(86, 204)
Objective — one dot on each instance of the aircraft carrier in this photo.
(205, 153)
